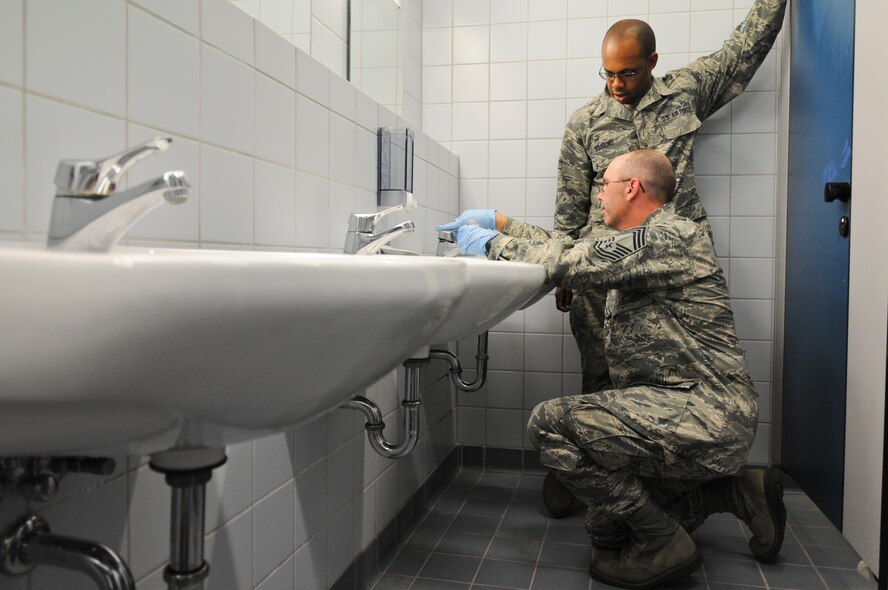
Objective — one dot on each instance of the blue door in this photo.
(817, 246)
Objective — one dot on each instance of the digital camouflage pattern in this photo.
(677, 371)
(665, 119)
(680, 382)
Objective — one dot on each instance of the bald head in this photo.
(653, 169)
(631, 30)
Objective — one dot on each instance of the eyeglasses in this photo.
(624, 76)
(607, 182)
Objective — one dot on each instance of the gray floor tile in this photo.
(846, 580)
(807, 518)
(524, 511)
(491, 494)
(514, 549)
(722, 546)
(792, 577)
(422, 584)
(463, 544)
(479, 508)
(407, 563)
(721, 527)
(470, 523)
(393, 583)
(523, 529)
(717, 586)
(423, 540)
(455, 568)
(500, 479)
(793, 554)
(566, 555)
(547, 578)
(835, 557)
(561, 532)
(822, 536)
(731, 571)
(508, 574)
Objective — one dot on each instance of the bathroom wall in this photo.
(500, 78)
(279, 151)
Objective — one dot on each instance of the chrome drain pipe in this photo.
(409, 415)
(29, 543)
(456, 369)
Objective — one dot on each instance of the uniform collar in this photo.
(658, 90)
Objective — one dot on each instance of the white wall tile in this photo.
(505, 428)
(753, 153)
(545, 118)
(508, 120)
(755, 112)
(719, 122)
(437, 47)
(163, 75)
(752, 237)
(342, 149)
(312, 136)
(721, 236)
(472, 159)
(507, 195)
(53, 132)
(541, 196)
(226, 212)
(753, 318)
(507, 159)
(622, 8)
(281, 579)
(310, 563)
(471, 424)
(275, 205)
(509, 42)
(710, 29)
(584, 36)
(506, 351)
(715, 193)
(658, 6)
(312, 78)
(91, 32)
(273, 531)
(229, 552)
(752, 278)
(275, 123)
(712, 154)
(505, 389)
(471, 83)
(470, 121)
(312, 210)
(184, 13)
(572, 362)
(583, 80)
(310, 508)
(586, 8)
(547, 40)
(12, 41)
(542, 157)
(437, 13)
(753, 195)
(275, 56)
(508, 81)
(672, 32)
(230, 29)
(546, 79)
(542, 352)
(342, 204)
(508, 11)
(547, 10)
(226, 111)
(471, 45)
(471, 12)
(436, 120)
(759, 359)
(12, 199)
(149, 501)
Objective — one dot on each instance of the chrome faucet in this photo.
(364, 237)
(87, 213)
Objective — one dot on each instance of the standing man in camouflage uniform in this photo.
(640, 111)
(661, 449)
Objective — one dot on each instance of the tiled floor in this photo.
(489, 530)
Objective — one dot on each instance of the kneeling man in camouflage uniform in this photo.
(660, 451)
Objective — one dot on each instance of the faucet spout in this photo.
(374, 243)
(97, 222)
(31, 544)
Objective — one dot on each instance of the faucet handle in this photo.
(99, 178)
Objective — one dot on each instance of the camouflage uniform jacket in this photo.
(668, 330)
(665, 119)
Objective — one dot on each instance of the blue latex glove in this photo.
(480, 217)
(472, 239)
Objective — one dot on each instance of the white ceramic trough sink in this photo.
(494, 290)
(142, 350)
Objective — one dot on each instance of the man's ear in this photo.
(653, 60)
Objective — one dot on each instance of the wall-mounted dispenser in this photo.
(394, 175)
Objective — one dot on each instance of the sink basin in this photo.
(495, 289)
(143, 350)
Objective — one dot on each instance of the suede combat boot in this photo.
(755, 496)
(559, 500)
(660, 550)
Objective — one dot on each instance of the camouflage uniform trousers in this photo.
(613, 468)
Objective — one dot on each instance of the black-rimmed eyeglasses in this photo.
(624, 76)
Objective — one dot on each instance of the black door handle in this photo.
(833, 191)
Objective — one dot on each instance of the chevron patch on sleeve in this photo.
(622, 245)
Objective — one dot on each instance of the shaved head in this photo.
(631, 29)
(654, 170)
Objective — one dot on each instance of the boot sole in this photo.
(773, 484)
(553, 490)
(680, 571)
